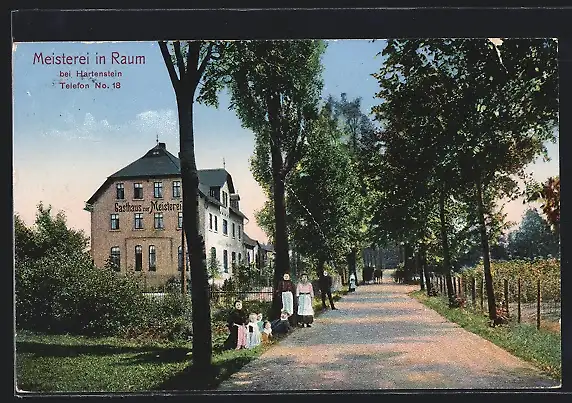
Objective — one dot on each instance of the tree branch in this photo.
(193, 60)
(169, 63)
(204, 62)
(180, 62)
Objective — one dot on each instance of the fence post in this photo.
(473, 292)
(538, 304)
(455, 286)
(459, 286)
(506, 297)
(518, 301)
(482, 292)
(464, 286)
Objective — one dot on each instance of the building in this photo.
(136, 218)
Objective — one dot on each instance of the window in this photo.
(120, 191)
(180, 258)
(138, 220)
(116, 258)
(215, 223)
(138, 191)
(233, 230)
(212, 192)
(213, 252)
(180, 220)
(233, 259)
(239, 258)
(159, 221)
(210, 221)
(224, 198)
(177, 189)
(114, 221)
(224, 227)
(158, 190)
(225, 260)
(138, 258)
(152, 258)
(239, 232)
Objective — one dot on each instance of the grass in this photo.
(65, 363)
(60, 363)
(541, 348)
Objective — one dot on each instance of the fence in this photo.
(522, 299)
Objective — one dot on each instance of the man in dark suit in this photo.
(326, 289)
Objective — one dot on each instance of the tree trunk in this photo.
(486, 254)
(282, 260)
(419, 269)
(201, 314)
(445, 244)
(351, 261)
(425, 270)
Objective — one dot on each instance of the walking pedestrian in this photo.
(326, 289)
(305, 295)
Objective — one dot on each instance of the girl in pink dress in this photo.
(305, 296)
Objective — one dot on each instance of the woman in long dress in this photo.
(286, 292)
(305, 296)
(236, 325)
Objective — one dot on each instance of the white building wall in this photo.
(216, 238)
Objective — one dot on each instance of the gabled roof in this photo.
(157, 163)
(267, 247)
(248, 240)
(216, 178)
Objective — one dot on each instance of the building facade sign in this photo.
(151, 208)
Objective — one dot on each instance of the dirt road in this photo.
(380, 338)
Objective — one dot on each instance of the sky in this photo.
(66, 142)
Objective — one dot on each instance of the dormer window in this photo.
(224, 198)
(212, 192)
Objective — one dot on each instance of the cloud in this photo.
(163, 123)
(89, 129)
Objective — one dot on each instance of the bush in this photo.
(66, 293)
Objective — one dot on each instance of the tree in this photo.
(549, 193)
(361, 143)
(275, 88)
(533, 238)
(50, 234)
(193, 62)
(213, 265)
(323, 227)
(497, 107)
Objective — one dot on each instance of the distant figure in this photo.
(352, 282)
(326, 289)
(378, 274)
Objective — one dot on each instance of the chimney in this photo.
(163, 146)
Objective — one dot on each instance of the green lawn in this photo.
(74, 363)
(58, 363)
(541, 348)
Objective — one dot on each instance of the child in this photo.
(252, 333)
(260, 323)
(267, 332)
(282, 325)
